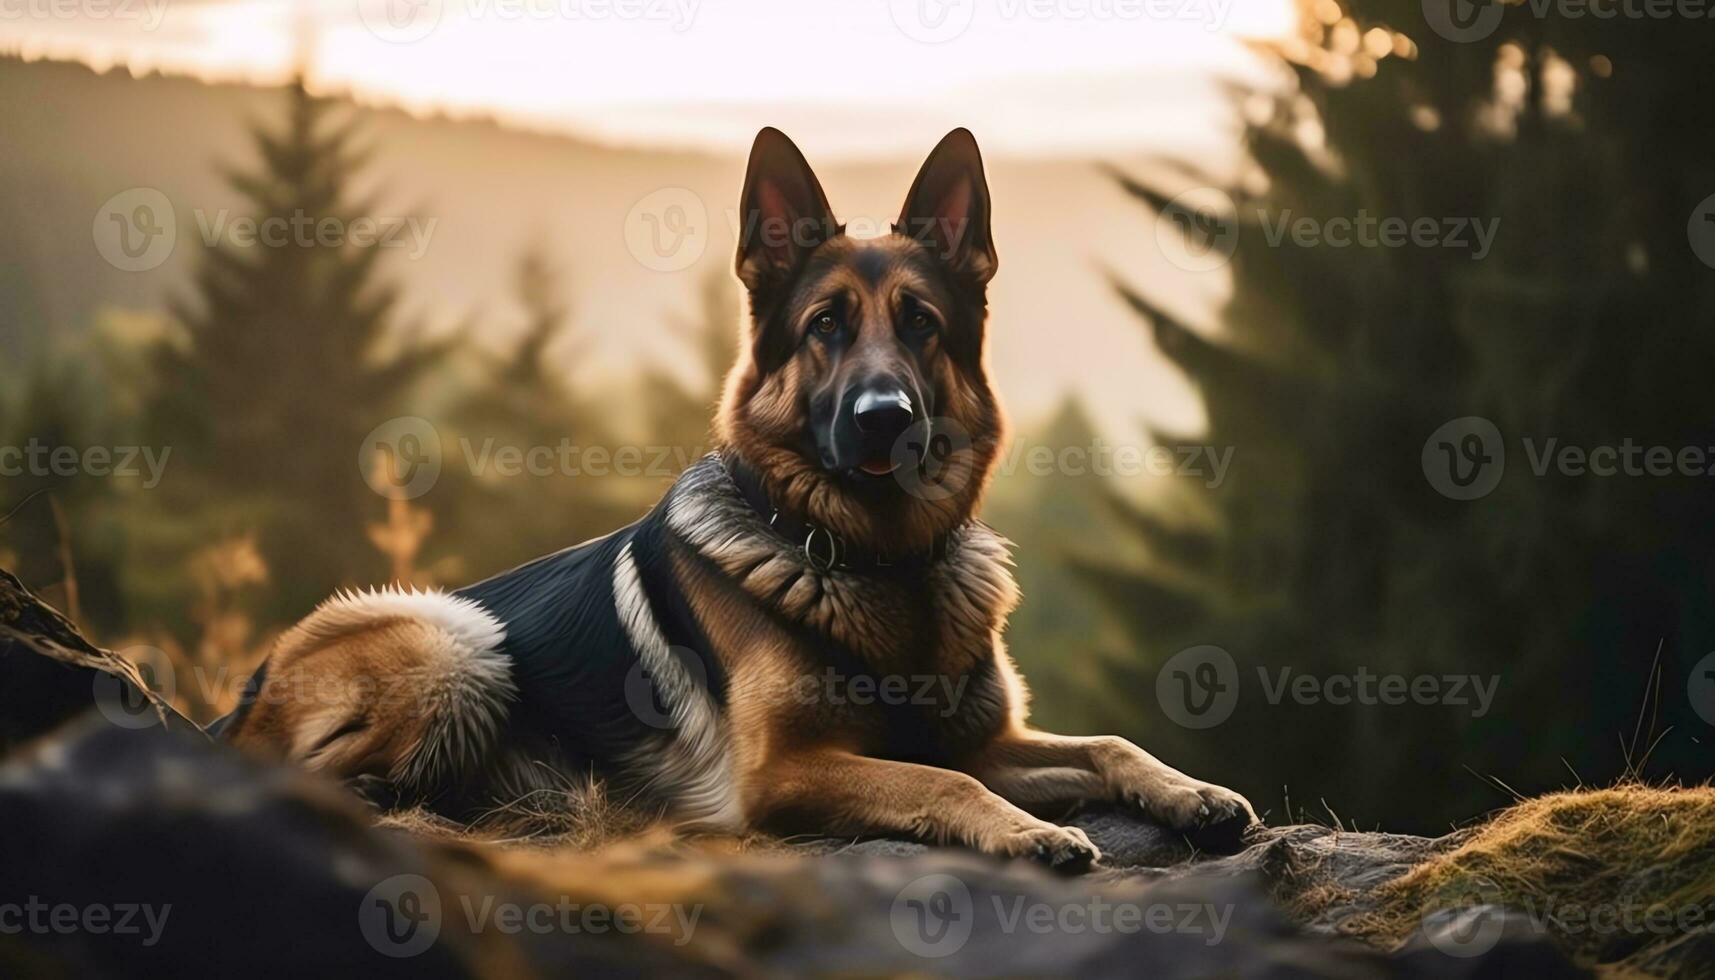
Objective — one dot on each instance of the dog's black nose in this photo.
(883, 412)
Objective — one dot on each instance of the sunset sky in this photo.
(1124, 81)
(852, 77)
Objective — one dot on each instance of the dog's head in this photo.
(862, 396)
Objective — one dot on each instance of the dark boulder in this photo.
(49, 673)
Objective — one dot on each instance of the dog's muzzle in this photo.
(883, 415)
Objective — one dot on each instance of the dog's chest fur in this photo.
(906, 663)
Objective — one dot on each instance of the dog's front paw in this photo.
(1063, 849)
(1213, 817)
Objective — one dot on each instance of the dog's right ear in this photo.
(948, 208)
(783, 214)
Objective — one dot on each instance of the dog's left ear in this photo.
(783, 213)
(948, 208)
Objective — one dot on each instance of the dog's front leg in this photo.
(836, 792)
(1032, 767)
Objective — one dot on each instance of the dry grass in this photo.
(1618, 876)
(579, 843)
(580, 817)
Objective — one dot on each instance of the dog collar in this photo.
(824, 548)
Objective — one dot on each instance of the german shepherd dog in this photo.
(804, 635)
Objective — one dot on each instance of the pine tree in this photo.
(681, 411)
(287, 364)
(510, 508)
(1055, 513)
(43, 500)
(1328, 548)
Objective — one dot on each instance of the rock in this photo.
(1129, 842)
(220, 866)
(271, 870)
(1332, 873)
(1341, 868)
(49, 673)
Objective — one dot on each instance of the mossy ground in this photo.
(1620, 877)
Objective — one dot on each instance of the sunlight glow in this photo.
(870, 75)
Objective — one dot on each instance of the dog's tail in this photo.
(407, 685)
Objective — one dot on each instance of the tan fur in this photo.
(1029, 766)
(392, 684)
(315, 689)
(800, 763)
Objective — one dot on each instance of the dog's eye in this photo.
(825, 323)
(920, 321)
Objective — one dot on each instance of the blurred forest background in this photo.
(1324, 549)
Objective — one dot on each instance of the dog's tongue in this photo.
(879, 466)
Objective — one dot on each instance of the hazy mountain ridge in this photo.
(482, 192)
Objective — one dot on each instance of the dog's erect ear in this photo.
(783, 214)
(948, 208)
